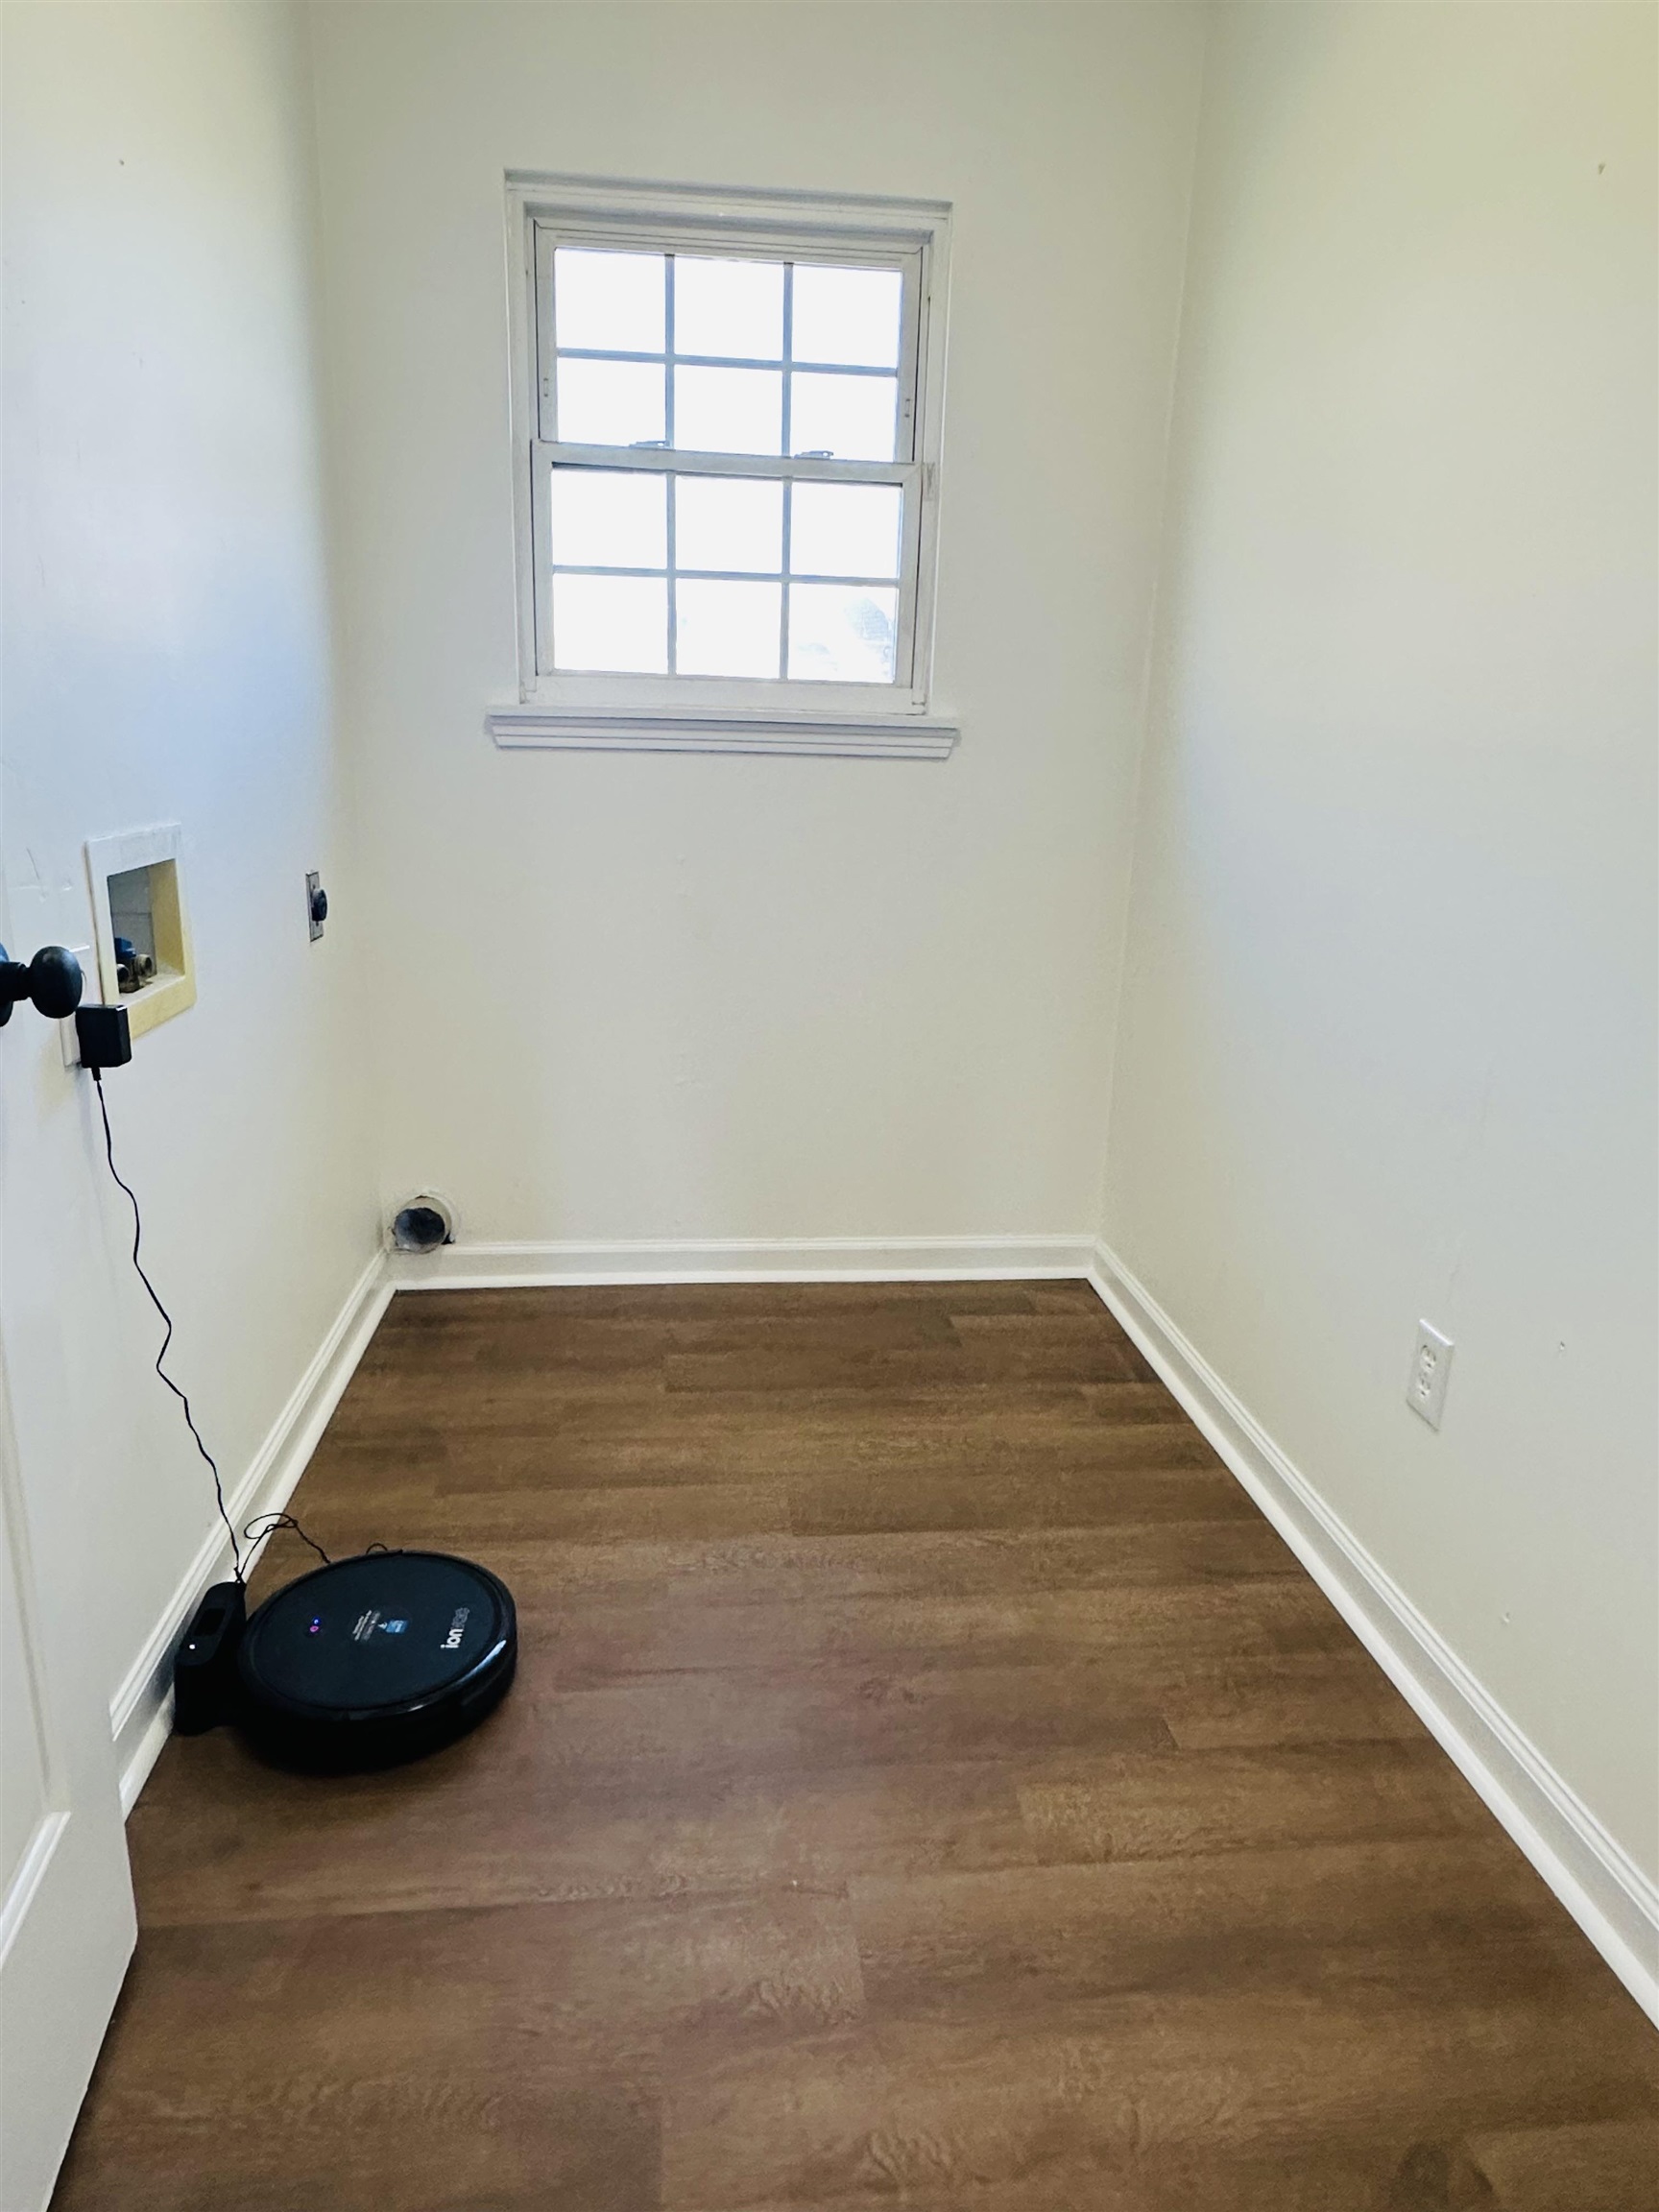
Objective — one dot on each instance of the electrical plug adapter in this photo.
(104, 1036)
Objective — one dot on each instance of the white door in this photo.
(67, 1920)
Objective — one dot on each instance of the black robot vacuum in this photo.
(366, 1662)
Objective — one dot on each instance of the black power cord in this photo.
(189, 1417)
(273, 1521)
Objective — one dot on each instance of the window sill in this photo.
(871, 737)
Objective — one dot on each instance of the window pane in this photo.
(850, 418)
(610, 518)
(609, 403)
(845, 529)
(849, 315)
(728, 410)
(615, 622)
(843, 632)
(729, 307)
(727, 629)
(727, 522)
(612, 301)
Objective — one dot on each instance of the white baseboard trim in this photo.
(1607, 1892)
(141, 1709)
(745, 1259)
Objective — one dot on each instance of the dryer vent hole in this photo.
(423, 1225)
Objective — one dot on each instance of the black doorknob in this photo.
(52, 981)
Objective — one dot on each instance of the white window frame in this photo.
(699, 712)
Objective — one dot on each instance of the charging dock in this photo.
(204, 1669)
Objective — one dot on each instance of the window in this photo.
(726, 420)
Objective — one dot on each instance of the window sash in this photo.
(913, 238)
(826, 251)
(658, 461)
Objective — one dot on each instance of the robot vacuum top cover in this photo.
(376, 1658)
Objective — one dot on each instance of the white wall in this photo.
(166, 656)
(671, 997)
(1388, 1028)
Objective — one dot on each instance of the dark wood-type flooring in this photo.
(930, 1784)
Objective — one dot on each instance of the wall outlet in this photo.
(1431, 1366)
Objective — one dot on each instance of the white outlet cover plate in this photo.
(1430, 1369)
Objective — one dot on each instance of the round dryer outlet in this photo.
(422, 1224)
